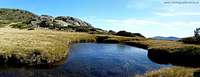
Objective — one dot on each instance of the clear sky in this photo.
(149, 17)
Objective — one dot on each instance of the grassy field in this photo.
(40, 46)
(37, 46)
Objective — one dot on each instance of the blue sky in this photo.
(149, 17)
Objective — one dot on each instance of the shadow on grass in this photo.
(188, 56)
(196, 73)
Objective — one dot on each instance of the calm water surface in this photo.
(94, 60)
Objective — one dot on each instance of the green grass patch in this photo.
(20, 26)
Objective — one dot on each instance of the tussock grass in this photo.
(37, 46)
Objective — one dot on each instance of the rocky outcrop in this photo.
(46, 18)
(61, 21)
(35, 21)
(42, 21)
(73, 21)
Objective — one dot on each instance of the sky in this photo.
(149, 17)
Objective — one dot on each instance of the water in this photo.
(94, 60)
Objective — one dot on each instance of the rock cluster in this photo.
(60, 21)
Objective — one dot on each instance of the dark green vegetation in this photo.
(20, 25)
(15, 15)
(193, 40)
(128, 34)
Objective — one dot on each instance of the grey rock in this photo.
(73, 21)
(46, 18)
(60, 21)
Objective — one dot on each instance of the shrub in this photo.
(20, 26)
(15, 15)
(82, 29)
(193, 40)
(188, 40)
(124, 33)
(45, 24)
(129, 34)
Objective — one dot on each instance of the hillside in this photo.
(30, 19)
(16, 15)
(23, 19)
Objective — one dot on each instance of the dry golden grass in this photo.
(41, 45)
(51, 45)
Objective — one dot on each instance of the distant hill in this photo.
(165, 38)
(22, 19)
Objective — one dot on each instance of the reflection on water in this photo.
(93, 60)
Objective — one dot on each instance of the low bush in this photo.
(82, 29)
(20, 26)
(189, 40)
(111, 32)
(128, 34)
